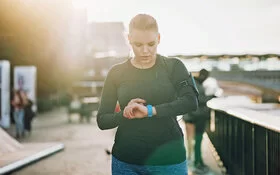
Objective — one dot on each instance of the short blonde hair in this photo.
(143, 22)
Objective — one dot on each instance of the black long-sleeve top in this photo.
(148, 141)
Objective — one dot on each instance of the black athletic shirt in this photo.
(149, 141)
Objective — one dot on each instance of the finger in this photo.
(131, 114)
(136, 100)
(139, 100)
(136, 109)
(125, 112)
(128, 113)
(130, 102)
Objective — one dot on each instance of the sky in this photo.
(200, 26)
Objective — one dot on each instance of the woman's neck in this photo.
(134, 61)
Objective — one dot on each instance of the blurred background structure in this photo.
(68, 40)
(73, 43)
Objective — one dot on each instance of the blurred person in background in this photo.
(196, 122)
(18, 113)
(75, 107)
(212, 87)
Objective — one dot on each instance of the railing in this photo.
(247, 141)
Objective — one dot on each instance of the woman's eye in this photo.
(138, 45)
(151, 44)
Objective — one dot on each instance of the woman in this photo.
(18, 105)
(148, 139)
(191, 120)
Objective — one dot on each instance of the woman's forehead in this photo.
(143, 36)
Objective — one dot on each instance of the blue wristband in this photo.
(150, 110)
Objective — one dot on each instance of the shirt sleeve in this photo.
(107, 118)
(186, 100)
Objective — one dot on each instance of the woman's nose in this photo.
(145, 49)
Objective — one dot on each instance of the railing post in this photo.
(243, 148)
(266, 152)
(253, 149)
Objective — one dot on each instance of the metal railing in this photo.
(247, 144)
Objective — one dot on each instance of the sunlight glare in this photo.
(81, 3)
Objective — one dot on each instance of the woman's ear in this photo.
(129, 39)
(158, 38)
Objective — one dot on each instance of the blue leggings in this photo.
(122, 168)
(19, 121)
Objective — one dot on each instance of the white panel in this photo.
(25, 79)
(5, 94)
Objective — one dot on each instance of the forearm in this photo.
(180, 106)
(109, 121)
(107, 118)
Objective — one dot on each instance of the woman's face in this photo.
(23, 94)
(144, 45)
(16, 98)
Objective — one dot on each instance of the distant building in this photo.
(106, 45)
(107, 39)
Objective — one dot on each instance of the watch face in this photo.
(150, 110)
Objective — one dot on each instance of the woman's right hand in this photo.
(129, 109)
(135, 110)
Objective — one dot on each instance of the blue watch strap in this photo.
(150, 110)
